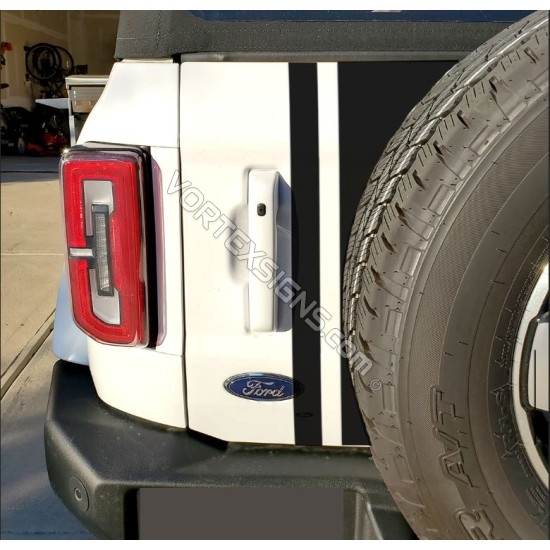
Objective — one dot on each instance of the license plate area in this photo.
(241, 513)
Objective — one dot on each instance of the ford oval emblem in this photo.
(262, 386)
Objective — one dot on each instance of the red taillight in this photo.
(102, 196)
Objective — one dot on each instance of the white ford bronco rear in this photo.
(243, 307)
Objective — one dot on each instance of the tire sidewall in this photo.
(492, 416)
(463, 379)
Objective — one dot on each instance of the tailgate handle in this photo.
(262, 218)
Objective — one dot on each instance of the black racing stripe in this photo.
(304, 158)
(357, 160)
(373, 102)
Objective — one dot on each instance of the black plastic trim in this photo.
(317, 57)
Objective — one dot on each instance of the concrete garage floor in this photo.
(30, 509)
(31, 248)
(32, 258)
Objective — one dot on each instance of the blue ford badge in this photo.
(261, 386)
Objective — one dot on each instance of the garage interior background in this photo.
(89, 35)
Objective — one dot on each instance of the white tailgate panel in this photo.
(234, 117)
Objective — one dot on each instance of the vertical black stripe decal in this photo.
(352, 183)
(304, 158)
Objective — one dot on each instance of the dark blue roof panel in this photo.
(471, 16)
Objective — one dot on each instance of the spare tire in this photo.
(449, 244)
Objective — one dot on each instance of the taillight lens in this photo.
(102, 198)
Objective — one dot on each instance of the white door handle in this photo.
(262, 216)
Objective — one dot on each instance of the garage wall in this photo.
(92, 39)
(89, 35)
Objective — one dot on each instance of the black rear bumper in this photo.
(98, 459)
